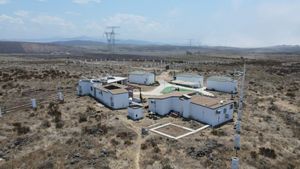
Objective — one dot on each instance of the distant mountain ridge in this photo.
(90, 46)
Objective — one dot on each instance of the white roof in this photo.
(189, 75)
(114, 79)
(109, 79)
(140, 73)
(220, 78)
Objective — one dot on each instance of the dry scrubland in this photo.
(81, 133)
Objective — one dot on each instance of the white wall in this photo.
(210, 116)
(146, 79)
(229, 87)
(159, 106)
(135, 113)
(198, 80)
(116, 101)
(121, 100)
(84, 87)
(191, 110)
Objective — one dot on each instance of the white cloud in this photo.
(72, 13)
(10, 20)
(52, 20)
(174, 12)
(137, 22)
(3, 2)
(86, 1)
(21, 13)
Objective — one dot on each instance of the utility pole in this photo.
(241, 98)
(237, 137)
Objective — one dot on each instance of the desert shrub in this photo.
(46, 124)
(114, 142)
(128, 142)
(82, 118)
(95, 129)
(21, 129)
(218, 132)
(46, 165)
(290, 94)
(253, 154)
(143, 146)
(166, 164)
(59, 124)
(53, 110)
(90, 110)
(156, 149)
(267, 152)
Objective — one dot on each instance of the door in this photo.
(79, 90)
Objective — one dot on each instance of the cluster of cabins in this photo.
(215, 83)
(115, 94)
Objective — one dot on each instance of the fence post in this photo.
(234, 163)
(33, 104)
(60, 97)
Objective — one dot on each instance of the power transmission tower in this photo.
(111, 38)
(190, 43)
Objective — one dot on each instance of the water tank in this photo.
(237, 141)
(234, 163)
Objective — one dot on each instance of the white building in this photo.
(135, 112)
(189, 80)
(113, 95)
(205, 109)
(140, 77)
(222, 84)
(85, 86)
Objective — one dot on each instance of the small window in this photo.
(225, 110)
(226, 116)
(91, 88)
(152, 101)
(218, 111)
(231, 106)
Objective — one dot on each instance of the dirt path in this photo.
(138, 141)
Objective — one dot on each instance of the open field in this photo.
(82, 133)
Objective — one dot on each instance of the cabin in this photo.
(222, 84)
(135, 112)
(188, 80)
(208, 110)
(141, 77)
(85, 86)
(112, 95)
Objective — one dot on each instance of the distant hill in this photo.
(79, 43)
(30, 47)
(89, 46)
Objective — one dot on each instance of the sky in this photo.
(239, 23)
